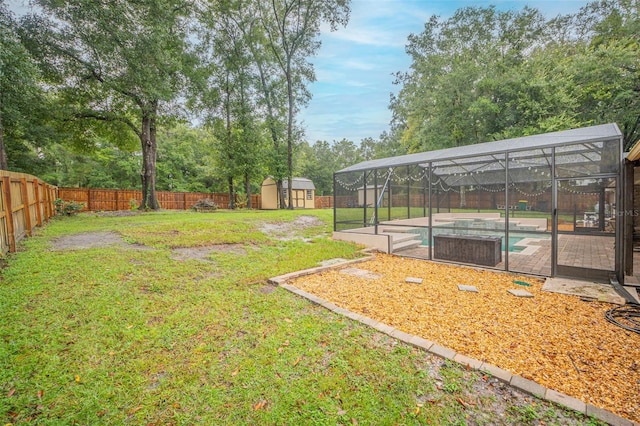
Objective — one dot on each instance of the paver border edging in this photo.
(281, 279)
(516, 381)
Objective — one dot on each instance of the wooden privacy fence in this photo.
(25, 202)
(324, 202)
(124, 199)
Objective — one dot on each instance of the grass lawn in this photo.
(139, 333)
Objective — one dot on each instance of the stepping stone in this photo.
(361, 273)
(520, 293)
(470, 288)
(413, 280)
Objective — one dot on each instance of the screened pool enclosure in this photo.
(543, 204)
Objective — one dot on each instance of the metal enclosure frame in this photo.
(586, 158)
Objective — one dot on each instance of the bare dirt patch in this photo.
(267, 289)
(559, 341)
(288, 230)
(203, 253)
(90, 240)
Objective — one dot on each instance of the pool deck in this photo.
(576, 250)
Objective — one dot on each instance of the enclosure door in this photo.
(585, 224)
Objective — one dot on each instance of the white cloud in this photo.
(360, 65)
(356, 83)
(355, 64)
(366, 36)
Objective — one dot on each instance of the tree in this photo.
(20, 93)
(463, 86)
(386, 146)
(186, 160)
(291, 28)
(118, 65)
(318, 163)
(484, 75)
(606, 66)
(232, 107)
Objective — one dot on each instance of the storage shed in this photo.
(554, 201)
(303, 193)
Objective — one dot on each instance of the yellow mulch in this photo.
(559, 341)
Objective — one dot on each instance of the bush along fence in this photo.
(128, 199)
(25, 203)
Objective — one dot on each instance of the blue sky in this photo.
(355, 65)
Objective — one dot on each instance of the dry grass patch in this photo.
(559, 341)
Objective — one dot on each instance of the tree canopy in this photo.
(203, 96)
(485, 74)
(117, 66)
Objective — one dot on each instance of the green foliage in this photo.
(483, 74)
(115, 78)
(67, 208)
(186, 160)
(319, 161)
(107, 166)
(25, 110)
(116, 68)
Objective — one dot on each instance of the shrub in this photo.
(205, 205)
(67, 208)
(241, 201)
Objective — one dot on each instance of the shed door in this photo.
(298, 198)
(585, 224)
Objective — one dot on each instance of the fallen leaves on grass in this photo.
(556, 340)
(259, 405)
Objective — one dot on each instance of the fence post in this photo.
(117, 192)
(184, 200)
(48, 207)
(25, 205)
(36, 186)
(45, 198)
(89, 200)
(6, 189)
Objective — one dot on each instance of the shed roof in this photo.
(599, 133)
(298, 183)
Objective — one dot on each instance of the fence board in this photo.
(25, 202)
(324, 201)
(124, 199)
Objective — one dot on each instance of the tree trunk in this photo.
(247, 186)
(3, 152)
(271, 124)
(279, 188)
(290, 136)
(232, 198)
(149, 155)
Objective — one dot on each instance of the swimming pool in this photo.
(514, 238)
